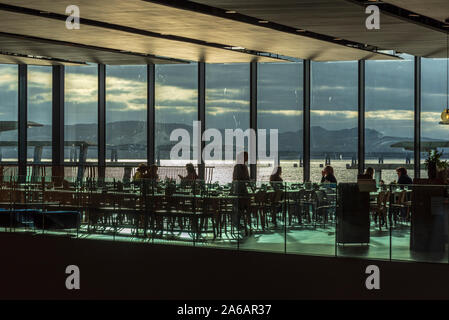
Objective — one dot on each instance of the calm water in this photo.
(223, 170)
(291, 171)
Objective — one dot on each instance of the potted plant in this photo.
(435, 166)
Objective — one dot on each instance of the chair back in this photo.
(277, 196)
(260, 197)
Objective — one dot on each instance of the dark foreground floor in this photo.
(33, 267)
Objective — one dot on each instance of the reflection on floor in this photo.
(306, 240)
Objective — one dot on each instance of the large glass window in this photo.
(81, 113)
(176, 108)
(39, 147)
(389, 115)
(333, 119)
(279, 107)
(8, 113)
(434, 101)
(126, 113)
(227, 107)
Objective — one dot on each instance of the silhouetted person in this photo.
(369, 173)
(140, 173)
(403, 178)
(151, 173)
(276, 179)
(240, 183)
(191, 173)
(328, 175)
(277, 175)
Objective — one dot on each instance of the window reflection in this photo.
(176, 108)
(126, 113)
(9, 112)
(433, 102)
(389, 114)
(81, 112)
(227, 107)
(39, 147)
(279, 106)
(334, 119)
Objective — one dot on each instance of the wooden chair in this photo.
(258, 208)
(322, 206)
(400, 206)
(275, 203)
(380, 209)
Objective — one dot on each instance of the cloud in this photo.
(281, 112)
(216, 110)
(178, 109)
(434, 117)
(390, 115)
(8, 78)
(170, 93)
(81, 88)
(129, 94)
(339, 113)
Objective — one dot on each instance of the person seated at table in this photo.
(151, 173)
(276, 179)
(140, 173)
(403, 178)
(369, 173)
(191, 173)
(328, 175)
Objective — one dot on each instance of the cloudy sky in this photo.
(389, 95)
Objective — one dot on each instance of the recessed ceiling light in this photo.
(231, 11)
(235, 48)
(413, 15)
(263, 21)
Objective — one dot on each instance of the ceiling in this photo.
(72, 52)
(12, 59)
(345, 19)
(166, 20)
(436, 9)
(113, 39)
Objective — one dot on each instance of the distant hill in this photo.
(121, 134)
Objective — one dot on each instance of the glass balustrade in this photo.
(361, 220)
